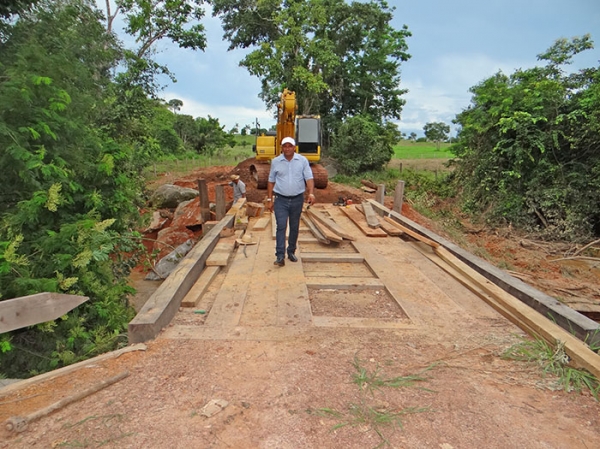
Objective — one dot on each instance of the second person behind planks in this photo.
(239, 188)
(289, 179)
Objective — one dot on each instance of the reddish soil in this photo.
(302, 392)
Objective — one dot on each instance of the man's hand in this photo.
(269, 205)
(311, 199)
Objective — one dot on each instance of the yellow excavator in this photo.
(306, 131)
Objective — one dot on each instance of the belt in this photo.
(279, 195)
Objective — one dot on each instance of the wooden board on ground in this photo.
(412, 233)
(220, 255)
(324, 257)
(372, 219)
(387, 227)
(324, 221)
(359, 283)
(390, 229)
(337, 269)
(359, 220)
(315, 231)
(327, 233)
(200, 287)
(262, 223)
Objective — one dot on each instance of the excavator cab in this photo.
(308, 138)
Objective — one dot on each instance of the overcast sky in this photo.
(455, 44)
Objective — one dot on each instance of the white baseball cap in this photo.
(288, 140)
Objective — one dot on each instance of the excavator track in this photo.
(320, 176)
(260, 174)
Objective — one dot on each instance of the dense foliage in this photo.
(528, 146)
(79, 121)
(362, 145)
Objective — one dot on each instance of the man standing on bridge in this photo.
(290, 177)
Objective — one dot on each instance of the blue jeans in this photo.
(287, 209)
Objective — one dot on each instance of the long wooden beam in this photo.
(519, 313)
(161, 307)
(567, 318)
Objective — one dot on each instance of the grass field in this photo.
(419, 156)
(421, 150)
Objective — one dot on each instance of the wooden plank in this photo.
(54, 374)
(221, 204)
(227, 307)
(579, 352)
(390, 229)
(387, 227)
(361, 323)
(359, 220)
(472, 286)
(345, 283)
(161, 307)
(412, 233)
(307, 239)
(315, 231)
(200, 287)
(326, 257)
(337, 269)
(323, 230)
(262, 223)
(26, 311)
(218, 259)
(220, 255)
(293, 304)
(372, 219)
(322, 221)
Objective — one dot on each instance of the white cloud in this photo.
(227, 115)
(440, 90)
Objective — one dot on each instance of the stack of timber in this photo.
(368, 186)
(359, 220)
(324, 228)
(528, 319)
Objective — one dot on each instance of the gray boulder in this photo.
(169, 196)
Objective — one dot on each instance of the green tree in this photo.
(175, 105)
(527, 145)
(150, 21)
(362, 144)
(436, 132)
(341, 59)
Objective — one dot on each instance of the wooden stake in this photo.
(399, 195)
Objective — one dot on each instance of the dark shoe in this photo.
(279, 262)
(292, 257)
